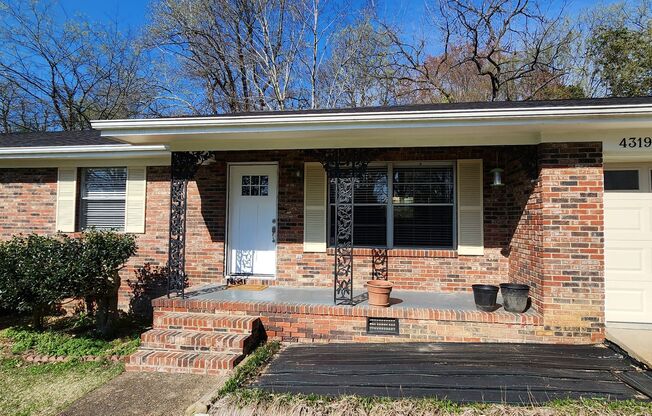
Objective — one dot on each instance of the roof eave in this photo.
(85, 152)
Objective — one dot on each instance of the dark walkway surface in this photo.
(496, 373)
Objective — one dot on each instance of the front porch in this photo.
(309, 315)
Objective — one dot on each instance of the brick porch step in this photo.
(200, 341)
(191, 321)
(182, 362)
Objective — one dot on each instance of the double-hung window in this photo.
(103, 198)
(402, 205)
(370, 208)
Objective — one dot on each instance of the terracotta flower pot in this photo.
(379, 291)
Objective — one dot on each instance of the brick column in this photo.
(572, 244)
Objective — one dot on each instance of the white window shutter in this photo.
(470, 218)
(314, 207)
(66, 199)
(135, 201)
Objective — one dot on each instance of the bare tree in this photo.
(507, 41)
(243, 54)
(18, 113)
(490, 50)
(359, 70)
(74, 71)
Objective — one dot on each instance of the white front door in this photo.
(252, 227)
(628, 243)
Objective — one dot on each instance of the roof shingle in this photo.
(56, 138)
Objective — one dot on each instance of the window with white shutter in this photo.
(103, 198)
(470, 217)
(314, 193)
(402, 205)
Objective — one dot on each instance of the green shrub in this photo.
(36, 272)
(103, 254)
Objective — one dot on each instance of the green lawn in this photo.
(47, 389)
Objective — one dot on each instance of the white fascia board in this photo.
(378, 118)
(85, 152)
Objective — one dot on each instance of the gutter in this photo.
(517, 115)
(85, 152)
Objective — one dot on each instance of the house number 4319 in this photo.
(635, 142)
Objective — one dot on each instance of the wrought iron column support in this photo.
(183, 169)
(379, 266)
(344, 167)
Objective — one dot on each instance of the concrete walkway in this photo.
(636, 341)
(145, 394)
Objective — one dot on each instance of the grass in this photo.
(235, 399)
(247, 401)
(47, 389)
(249, 368)
(64, 337)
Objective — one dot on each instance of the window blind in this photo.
(103, 196)
(402, 206)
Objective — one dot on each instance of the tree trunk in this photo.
(107, 309)
(37, 318)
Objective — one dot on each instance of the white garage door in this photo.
(628, 243)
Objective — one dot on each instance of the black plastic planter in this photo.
(485, 297)
(515, 297)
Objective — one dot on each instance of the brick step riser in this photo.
(160, 363)
(173, 370)
(217, 324)
(190, 343)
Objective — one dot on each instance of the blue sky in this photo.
(133, 13)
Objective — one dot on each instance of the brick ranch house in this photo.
(255, 196)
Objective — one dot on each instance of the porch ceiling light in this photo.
(497, 177)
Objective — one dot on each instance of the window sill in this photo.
(404, 252)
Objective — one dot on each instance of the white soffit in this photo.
(384, 129)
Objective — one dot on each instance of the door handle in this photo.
(273, 234)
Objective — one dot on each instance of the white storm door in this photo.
(252, 226)
(628, 247)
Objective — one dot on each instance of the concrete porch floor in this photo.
(636, 340)
(461, 301)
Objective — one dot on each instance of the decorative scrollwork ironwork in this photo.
(379, 267)
(344, 168)
(184, 166)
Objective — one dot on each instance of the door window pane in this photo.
(254, 185)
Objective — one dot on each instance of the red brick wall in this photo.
(153, 245)
(28, 201)
(28, 205)
(409, 269)
(558, 246)
(546, 233)
(573, 238)
(526, 243)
